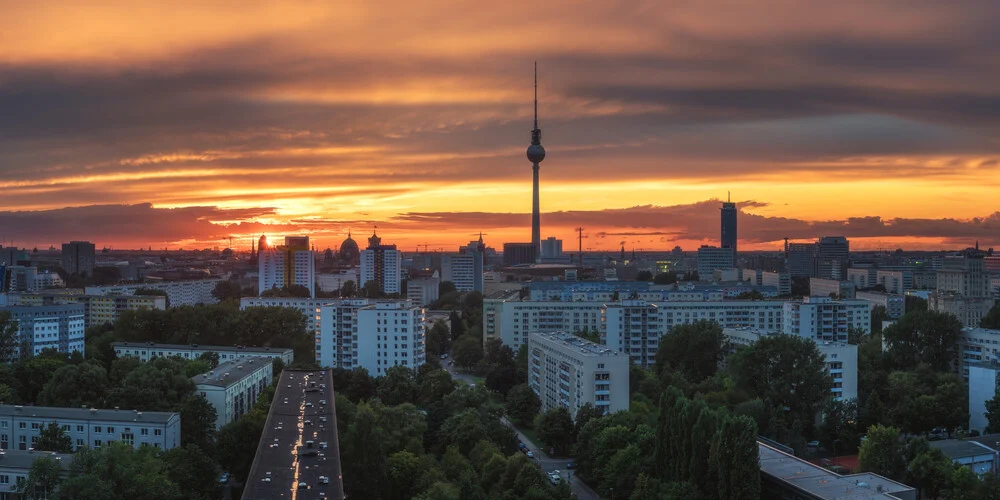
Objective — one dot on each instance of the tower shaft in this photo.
(536, 224)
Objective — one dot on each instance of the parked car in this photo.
(444, 356)
(554, 477)
(571, 465)
(224, 478)
(531, 454)
(812, 444)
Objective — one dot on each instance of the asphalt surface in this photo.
(547, 463)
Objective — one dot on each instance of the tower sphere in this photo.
(536, 153)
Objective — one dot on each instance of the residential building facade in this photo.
(307, 306)
(895, 305)
(712, 258)
(382, 264)
(179, 293)
(820, 287)
(145, 351)
(825, 319)
(78, 257)
(423, 291)
(233, 387)
(279, 266)
(371, 334)
(59, 327)
(20, 426)
(569, 372)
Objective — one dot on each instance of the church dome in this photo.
(349, 250)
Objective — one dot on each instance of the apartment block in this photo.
(179, 293)
(20, 426)
(98, 309)
(781, 281)
(307, 306)
(59, 327)
(825, 319)
(423, 291)
(862, 277)
(895, 282)
(895, 305)
(145, 351)
(569, 372)
(819, 287)
(371, 334)
(233, 387)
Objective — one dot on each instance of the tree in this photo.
(32, 374)
(54, 438)
(522, 405)
(555, 429)
(882, 453)
(434, 386)
(198, 420)
(116, 470)
(44, 478)
(372, 290)
(666, 278)
(365, 474)
(438, 338)
(8, 337)
(692, 349)
(963, 485)
(930, 472)
(502, 378)
(160, 384)
(992, 318)
(993, 415)
(75, 386)
(348, 289)
(193, 471)
(879, 314)
(913, 303)
(735, 460)
(468, 351)
(397, 386)
(839, 431)
(923, 337)
(644, 276)
(227, 290)
(457, 326)
(787, 372)
(212, 358)
(446, 287)
(237, 442)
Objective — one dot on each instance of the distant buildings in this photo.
(895, 282)
(423, 291)
(832, 257)
(569, 372)
(977, 345)
(781, 281)
(712, 258)
(89, 427)
(819, 287)
(371, 334)
(963, 289)
(145, 351)
(12, 256)
(552, 249)
(382, 264)
(98, 309)
(463, 271)
(516, 254)
(801, 259)
(59, 327)
(30, 279)
(864, 277)
(293, 263)
(179, 293)
(78, 258)
(233, 387)
(307, 306)
(895, 305)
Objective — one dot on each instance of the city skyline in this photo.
(144, 128)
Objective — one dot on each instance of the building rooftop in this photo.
(582, 345)
(52, 412)
(990, 440)
(818, 482)
(230, 372)
(196, 347)
(284, 458)
(22, 459)
(961, 448)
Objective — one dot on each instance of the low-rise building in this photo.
(567, 371)
(978, 457)
(145, 351)
(895, 305)
(15, 465)
(89, 427)
(233, 387)
(781, 281)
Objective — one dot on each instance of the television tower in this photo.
(536, 153)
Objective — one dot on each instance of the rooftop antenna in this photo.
(536, 95)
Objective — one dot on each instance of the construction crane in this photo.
(580, 238)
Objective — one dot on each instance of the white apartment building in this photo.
(983, 385)
(963, 289)
(145, 351)
(819, 287)
(90, 427)
(895, 282)
(969, 310)
(511, 320)
(371, 334)
(567, 371)
(306, 305)
(781, 281)
(712, 258)
(179, 293)
(423, 291)
(841, 360)
(825, 319)
(895, 305)
(293, 263)
(333, 282)
(233, 387)
(60, 327)
(978, 345)
(633, 327)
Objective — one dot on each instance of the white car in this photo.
(554, 477)
(531, 454)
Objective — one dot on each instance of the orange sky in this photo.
(131, 124)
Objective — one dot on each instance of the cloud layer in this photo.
(874, 117)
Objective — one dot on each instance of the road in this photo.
(547, 463)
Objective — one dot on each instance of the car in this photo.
(521, 446)
(812, 444)
(322, 445)
(531, 454)
(444, 356)
(571, 465)
(322, 419)
(303, 485)
(554, 477)
(224, 478)
(266, 480)
(308, 422)
(472, 385)
(324, 480)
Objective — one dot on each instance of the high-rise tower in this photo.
(536, 153)
(729, 225)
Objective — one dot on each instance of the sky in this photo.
(132, 124)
